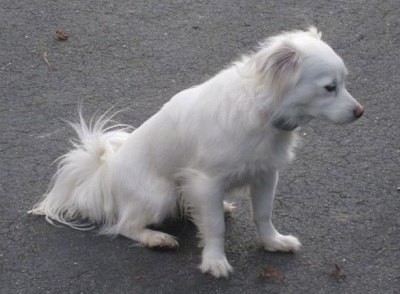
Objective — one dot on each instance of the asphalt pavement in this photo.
(340, 196)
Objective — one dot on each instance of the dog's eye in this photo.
(330, 88)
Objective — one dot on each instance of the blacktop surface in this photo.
(340, 196)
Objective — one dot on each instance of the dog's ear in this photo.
(314, 32)
(277, 65)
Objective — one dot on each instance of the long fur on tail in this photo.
(81, 189)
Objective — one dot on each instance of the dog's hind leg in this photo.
(150, 238)
(262, 197)
(145, 203)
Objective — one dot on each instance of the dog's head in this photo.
(305, 79)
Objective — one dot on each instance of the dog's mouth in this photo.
(358, 112)
(349, 120)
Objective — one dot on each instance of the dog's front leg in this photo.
(262, 197)
(205, 196)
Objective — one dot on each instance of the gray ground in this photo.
(339, 197)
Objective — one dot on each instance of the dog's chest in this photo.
(260, 158)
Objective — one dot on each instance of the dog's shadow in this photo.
(182, 229)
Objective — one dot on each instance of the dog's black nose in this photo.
(358, 111)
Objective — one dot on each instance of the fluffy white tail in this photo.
(81, 189)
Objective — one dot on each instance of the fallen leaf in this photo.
(44, 56)
(342, 217)
(61, 36)
(337, 272)
(272, 273)
(138, 278)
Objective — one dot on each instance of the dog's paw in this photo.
(282, 243)
(161, 240)
(229, 207)
(217, 267)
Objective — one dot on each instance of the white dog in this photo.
(237, 129)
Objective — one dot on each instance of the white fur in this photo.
(236, 129)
